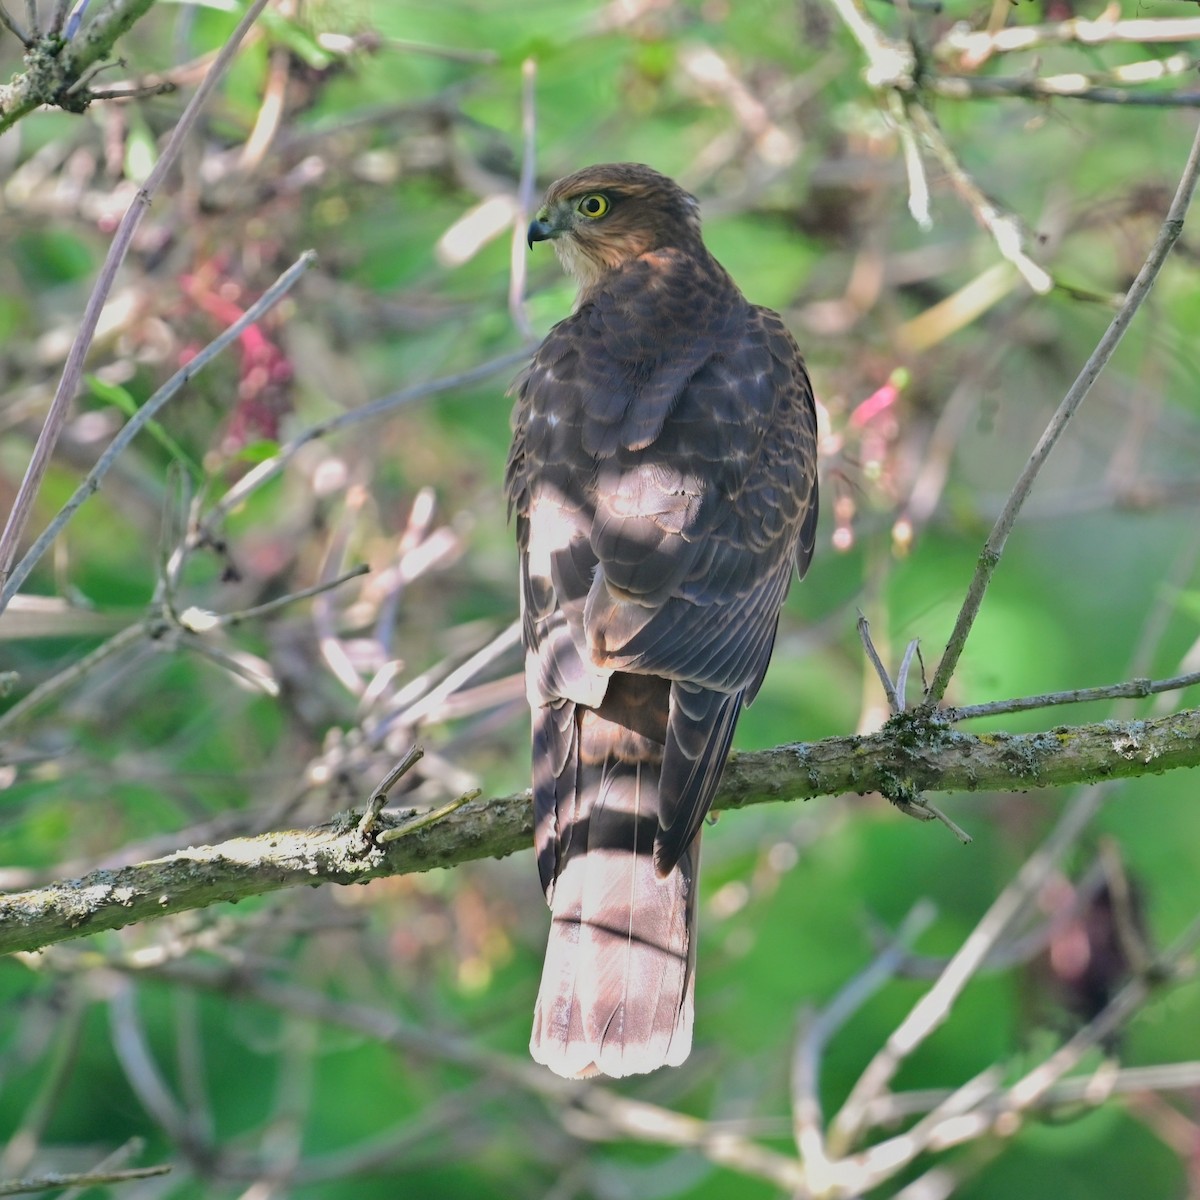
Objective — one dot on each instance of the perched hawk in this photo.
(663, 474)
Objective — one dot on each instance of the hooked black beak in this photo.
(539, 231)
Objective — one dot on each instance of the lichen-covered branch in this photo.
(54, 66)
(911, 755)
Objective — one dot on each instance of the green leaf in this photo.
(256, 452)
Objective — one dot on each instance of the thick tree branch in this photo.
(912, 754)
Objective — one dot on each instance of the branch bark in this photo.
(53, 67)
(911, 755)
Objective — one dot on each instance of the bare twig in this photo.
(890, 64)
(57, 684)
(934, 1007)
(1035, 1083)
(891, 68)
(899, 791)
(817, 1031)
(977, 45)
(271, 109)
(145, 415)
(380, 794)
(137, 1061)
(1066, 1093)
(255, 671)
(1002, 1109)
(42, 1183)
(914, 168)
(924, 809)
(68, 384)
(617, 1114)
(994, 546)
(13, 27)
(61, 9)
(895, 703)
(1074, 87)
(40, 1105)
(270, 467)
(201, 620)
(1130, 689)
(1004, 227)
(912, 649)
(425, 820)
(426, 707)
(885, 1159)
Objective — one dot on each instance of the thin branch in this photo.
(68, 384)
(271, 109)
(426, 707)
(255, 671)
(912, 649)
(1074, 87)
(1003, 1109)
(889, 63)
(41, 1102)
(145, 415)
(934, 1007)
(866, 1171)
(14, 28)
(201, 620)
(1130, 689)
(57, 684)
(616, 1114)
(994, 546)
(895, 702)
(141, 1071)
(914, 168)
(266, 470)
(1004, 227)
(906, 798)
(366, 824)
(892, 68)
(1066, 1093)
(979, 45)
(817, 1031)
(906, 754)
(1035, 1083)
(425, 820)
(18, 1187)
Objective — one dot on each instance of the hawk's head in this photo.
(605, 215)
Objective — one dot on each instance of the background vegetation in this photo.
(370, 1041)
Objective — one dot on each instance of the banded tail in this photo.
(618, 981)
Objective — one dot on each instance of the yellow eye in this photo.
(593, 206)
